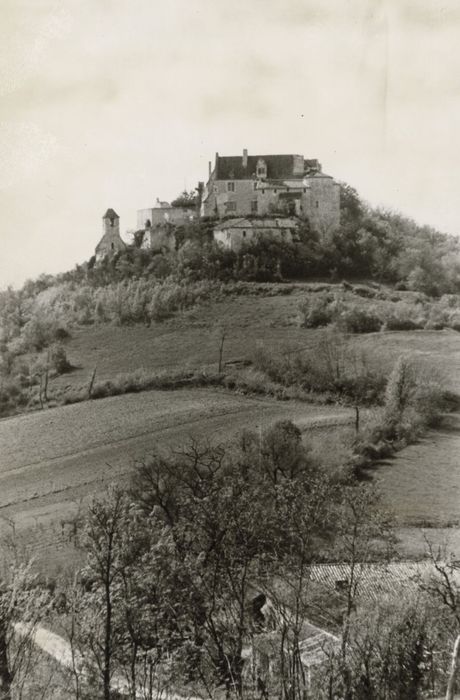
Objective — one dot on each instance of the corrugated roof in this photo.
(110, 214)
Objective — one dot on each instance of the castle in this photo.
(250, 196)
(265, 185)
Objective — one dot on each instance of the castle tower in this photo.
(111, 222)
(111, 241)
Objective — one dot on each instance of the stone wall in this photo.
(161, 215)
(111, 241)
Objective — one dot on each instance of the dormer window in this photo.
(261, 169)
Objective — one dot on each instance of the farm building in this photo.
(234, 233)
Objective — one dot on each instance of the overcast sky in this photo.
(112, 103)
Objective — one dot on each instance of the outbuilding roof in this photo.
(262, 223)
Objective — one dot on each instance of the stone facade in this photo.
(111, 241)
(159, 238)
(272, 185)
(149, 218)
(234, 233)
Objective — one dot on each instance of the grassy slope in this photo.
(50, 460)
(192, 339)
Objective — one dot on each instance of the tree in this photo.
(442, 586)
(186, 199)
(107, 539)
(24, 603)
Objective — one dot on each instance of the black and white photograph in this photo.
(229, 350)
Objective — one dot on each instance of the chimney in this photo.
(245, 158)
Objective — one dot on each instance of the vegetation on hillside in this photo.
(141, 286)
(197, 582)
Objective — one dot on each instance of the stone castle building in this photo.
(158, 224)
(111, 241)
(234, 233)
(249, 196)
(268, 185)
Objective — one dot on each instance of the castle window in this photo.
(275, 191)
(254, 206)
(231, 206)
(230, 186)
(263, 191)
(112, 245)
(304, 189)
(317, 204)
(261, 168)
(244, 234)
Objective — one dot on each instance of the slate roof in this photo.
(279, 167)
(110, 214)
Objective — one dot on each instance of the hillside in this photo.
(53, 459)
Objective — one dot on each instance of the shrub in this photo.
(404, 317)
(364, 291)
(358, 320)
(317, 311)
(58, 360)
(401, 287)
(12, 396)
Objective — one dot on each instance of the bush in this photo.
(401, 287)
(317, 311)
(358, 320)
(404, 317)
(363, 291)
(333, 371)
(12, 396)
(58, 360)
(415, 399)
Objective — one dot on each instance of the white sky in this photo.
(111, 103)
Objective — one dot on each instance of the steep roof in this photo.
(278, 167)
(110, 214)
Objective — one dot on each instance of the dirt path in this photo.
(60, 650)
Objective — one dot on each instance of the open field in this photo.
(53, 460)
(422, 483)
(191, 339)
